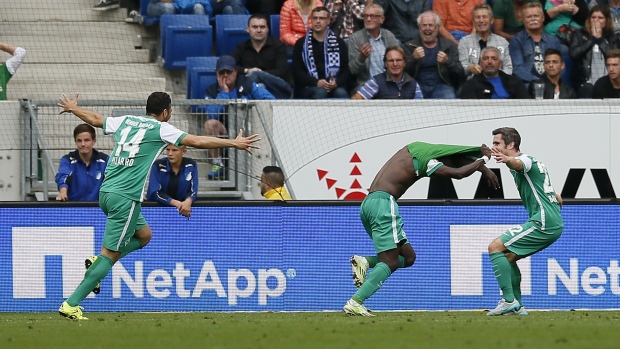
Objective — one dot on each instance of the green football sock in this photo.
(503, 272)
(93, 276)
(134, 244)
(372, 261)
(373, 282)
(516, 281)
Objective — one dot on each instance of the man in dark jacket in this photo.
(400, 17)
(435, 66)
(553, 86)
(493, 83)
(609, 85)
(263, 58)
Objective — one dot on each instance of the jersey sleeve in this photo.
(111, 124)
(432, 166)
(171, 134)
(13, 63)
(526, 161)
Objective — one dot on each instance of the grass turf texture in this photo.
(567, 330)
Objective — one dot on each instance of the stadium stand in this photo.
(184, 36)
(230, 30)
(200, 74)
(274, 26)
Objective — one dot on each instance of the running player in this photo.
(379, 211)
(138, 142)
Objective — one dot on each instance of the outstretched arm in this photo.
(206, 142)
(512, 162)
(88, 116)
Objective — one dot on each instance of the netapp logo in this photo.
(468, 250)
(30, 246)
(159, 282)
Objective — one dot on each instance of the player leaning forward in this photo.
(543, 227)
(379, 211)
(138, 142)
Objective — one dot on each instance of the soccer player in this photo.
(138, 142)
(542, 228)
(379, 211)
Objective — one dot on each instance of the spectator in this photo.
(508, 17)
(344, 16)
(9, 68)
(263, 58)
(264, 7)
(272, 184)
(105, 5)
(157, 8)
(400, 17)
(493, 83)
(394, 83)
(471, 45)
(228, 7)
(588, 48)
(174, 180)
(436, 66)
(81, 172)
(564, 12)
(456, 17)
(295, 19)
(614, 10)
(229, 85)
(528, 46)
(609, 85)
(554, 87)
(367, 46)
(320, 61)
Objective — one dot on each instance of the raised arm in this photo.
(206, 142)
(88, 116)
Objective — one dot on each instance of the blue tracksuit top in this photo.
(83, 182)
(160, 179)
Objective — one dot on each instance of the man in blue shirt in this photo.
(493, 83)
(81, 172)
(229, 85)
(174, 180)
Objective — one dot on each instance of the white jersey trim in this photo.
(526, 161)
(13, 63)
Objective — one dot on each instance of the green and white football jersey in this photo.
(537, 193)
(138, 142)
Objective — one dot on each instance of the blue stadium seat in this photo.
(229, 31)
(186, 41)
(200, 74)
(568, 71)
(188, 21)
(274, 26)
(147, 20)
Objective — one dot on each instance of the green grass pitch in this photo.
(566, 330)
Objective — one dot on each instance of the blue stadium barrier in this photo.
(229, 31)
(200, 74)
(188, 21)
(186, 41)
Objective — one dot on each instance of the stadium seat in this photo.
(147, 20)
(230, 30)
(200, 74)
(186, 41)
(274, 26)
(187, 21)
(568, 70)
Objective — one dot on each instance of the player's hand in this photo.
(246, 143)
(486, 151)
(559, 197)
(490, 176)
(67, 104)
(499, 156)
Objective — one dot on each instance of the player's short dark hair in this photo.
(552, 51)
(158, 102)
(509, 135)
(81, 128)
(274, 175)
(258, 16)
